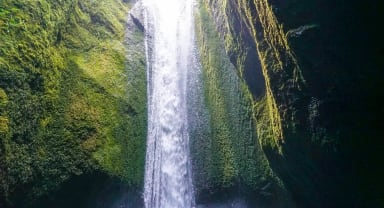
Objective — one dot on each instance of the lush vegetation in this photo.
(317, 116)
(292, 100)
(237, 159)
(64, 109)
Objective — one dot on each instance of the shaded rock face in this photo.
(228, 160)
(318, 65)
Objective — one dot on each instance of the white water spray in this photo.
(170, 49)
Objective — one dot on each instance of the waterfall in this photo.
(170, 49)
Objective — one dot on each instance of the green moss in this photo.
(236, 156)
(3, 99)
(235, 21)
(223, 167)
(64, 96)
(4, 129)
(277, 61)
(241, 125)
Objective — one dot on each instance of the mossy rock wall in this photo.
(68, 105)
(317, 116)
(229, 161)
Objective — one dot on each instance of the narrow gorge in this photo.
(191, 104)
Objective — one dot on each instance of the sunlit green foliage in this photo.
(64, 108)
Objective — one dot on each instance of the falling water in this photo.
(170, 50)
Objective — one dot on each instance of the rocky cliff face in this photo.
(229, 161)
(314, 71)
(292, 90)
(71, 108)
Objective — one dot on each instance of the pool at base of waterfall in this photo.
(232, 203)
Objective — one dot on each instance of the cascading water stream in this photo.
(170, 50)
